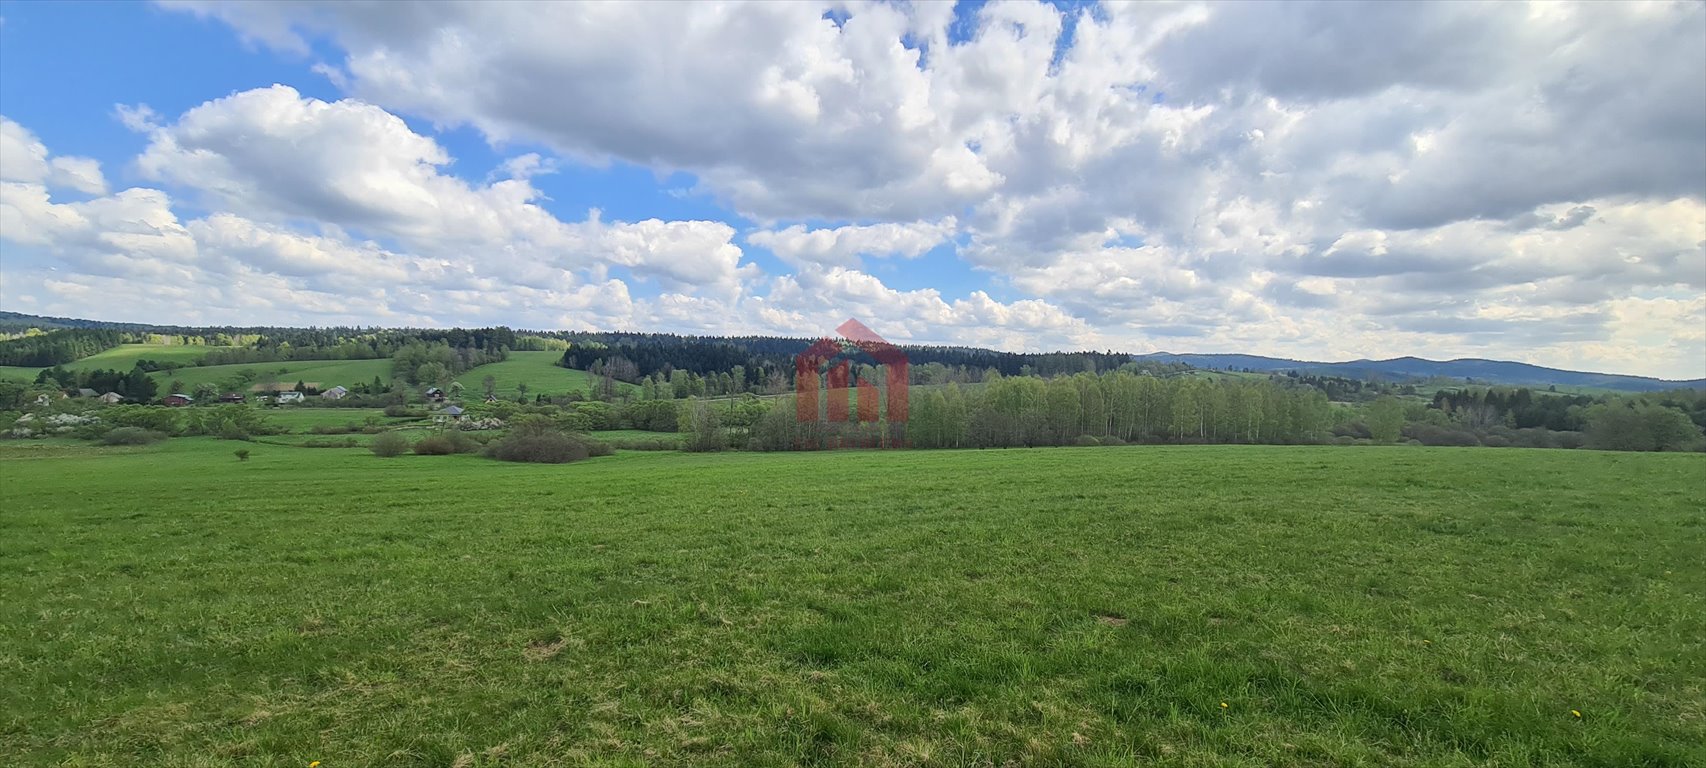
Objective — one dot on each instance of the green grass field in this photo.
(538, 370)
(328, 373)
(1246, 606)
(122, 358)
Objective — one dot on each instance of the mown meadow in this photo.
(1143, 605)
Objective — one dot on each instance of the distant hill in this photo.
(1417, 369)
(18, 321)
(1398, 369)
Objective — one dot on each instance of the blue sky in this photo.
(1325, 182)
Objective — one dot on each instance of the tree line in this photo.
(134, 385)
(41, 350)
(1116, 407)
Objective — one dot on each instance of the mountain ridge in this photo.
(1411, 368)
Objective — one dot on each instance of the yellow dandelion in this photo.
(315, 764)
(1576, 712)
(1223, 705)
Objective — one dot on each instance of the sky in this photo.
(1521, 181)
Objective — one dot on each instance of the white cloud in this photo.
(842, 246)
(23, 158)
(1500, 180)
(272, 155)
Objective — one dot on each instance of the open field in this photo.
(538, 370)
(328, 373)
(1102, 606)
(122, 358)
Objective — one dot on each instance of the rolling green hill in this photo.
(538, 370)
(327, 373)
(122, 358)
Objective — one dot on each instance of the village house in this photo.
(448, 415)
(289, 397)
(177, 399)
(232, 397)
(335, 393)
(435, 394)
(111, 398)
(87, 392)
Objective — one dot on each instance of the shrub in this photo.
(657, 444)
(446, 443)
(539, 447)
(155, 418)
(389, 444)
(348, 442)
(434, 445)
(702, 428)
(403, 410)
(242, 454)
(1112, 440)
(1087, 441)
(132, 436)
(1428, 434)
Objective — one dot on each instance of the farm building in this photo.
(289, 397)
(111, 398)
(178, 399)
(232, 397)
(335, 393)
(87, 392)
(453, 413)
(435, 394)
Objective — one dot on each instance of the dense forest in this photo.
(57, 347)
(759, 357)
(134, 386)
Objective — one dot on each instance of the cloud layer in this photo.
(1524, 181)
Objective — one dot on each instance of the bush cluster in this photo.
(653, 444)
(132, 436)
(446, 443)
(348, 442)
(546, 448)
(537, 439)
(389, 444)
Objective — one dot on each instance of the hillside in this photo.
(120, 358)
(538, 370)
(1419, 369)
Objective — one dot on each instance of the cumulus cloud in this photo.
(1307, 179)
(842, 246)
(24, 159)
(271, 154)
